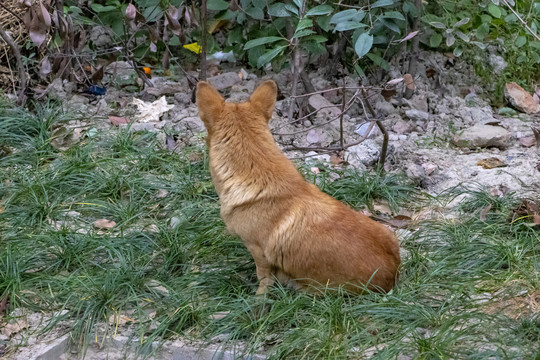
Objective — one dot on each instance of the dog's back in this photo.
(295, 232)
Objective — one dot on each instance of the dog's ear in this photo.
(264, 98)
(209, 102)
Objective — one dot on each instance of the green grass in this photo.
(169, 265)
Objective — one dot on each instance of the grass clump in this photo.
(168, 268)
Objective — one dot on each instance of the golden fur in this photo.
(295, 233)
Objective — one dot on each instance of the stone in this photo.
(323, 106)
(401, 127)
(482, 115)
(414, 114)
(193, 123)
(498, 63)
(385, 108)
(169, 88)
(482, 136)
(365, 153)
(225, 80)
(520, 99)
(139, 127)
(55, 90)
(182, 98)
(418, 102)
(122, 71)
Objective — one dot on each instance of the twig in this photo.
(522, 21)
(384, 148)
(203, 40)
(21, 99)
(11, 12)
(415, 48)
(343, 99)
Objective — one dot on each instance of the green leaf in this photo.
(278, 10)
(259, 3)
(320, 10)
(260, 41)
(390, 24)
(174, 41)
(409, 8)
(535, 44)
(482, 31)
(435, 40)
(521, 59)
(292, 9)
(298, 3)
(494, 10)
(463, 36)
(302, 33)
(520, 41)
(344, 15)
(255, 13)
(458, 51)
(324, 23)
(379, 61)
(382, 3)
(269, 55)
(363, 44)
(217, 5)
(394, 15)
(100, 8)
(313, 47)
(317, 38)
(349, 25)
(304, 23)
(437, 25)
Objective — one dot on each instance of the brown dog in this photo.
(295, 233)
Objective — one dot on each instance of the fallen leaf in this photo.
(104, 224)
(336, 159)
(394, 81)
(388, 93)
(117, 120)
(536, 219)
(131, 12)
(499, 190)
(400, 221)
(484, 212)
(219, 315)
(527, 141)
(97, 76)
(409, 81)
(119, 319)
(430, 72)
(491, 163)
(382, 208)
(13, 327)
(536, 132)
(151, 111)
(315, 170)
(409, 36)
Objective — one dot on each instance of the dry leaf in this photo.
(536, 132)
(484, 212)
(499, 190)
(117, 120)
(336, 159)
(409, 36)
(219, 315)
(382, 208)
(149, 112)
(97, 76)
(409, 81)
(315, 170)
(131, 12)
(44, 67)
(491, 163)
(104, 224)
(536, 219)
(119, 319)
(430, 72)
(14, 327)
(388, 93)
(400, 221)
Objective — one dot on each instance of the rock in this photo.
(482, 115)
(55, 90)
(365, 153)
(193, 123)
(401, 127)
(183, 98)
(527, 141)
(520, 99)
(139, 127)
(313, 158)
(323, 106)
(385, 108)
(225, 80)
(414, 114)
(483, 136)
(122, 72)
(100, 36)
(418, 102)
(169, 88)
(498, 63)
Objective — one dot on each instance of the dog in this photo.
(297, 234)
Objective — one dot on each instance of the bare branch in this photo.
(21, 99)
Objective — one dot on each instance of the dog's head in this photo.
(213, 108)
